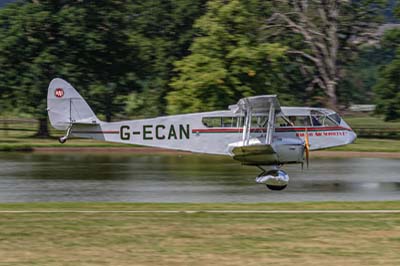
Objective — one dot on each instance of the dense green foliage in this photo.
(146, 58)
(362, 73)
(228, 60)
(107, 49)
(387, 89)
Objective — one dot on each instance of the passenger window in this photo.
(299, 121)
(239, 121)
(212, 121)
(335, 117)
(281, 122)
(330, 123)
(316, 120)
(320, 119)
(259, 121)
(228, 121)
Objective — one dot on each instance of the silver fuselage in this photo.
(189, 132)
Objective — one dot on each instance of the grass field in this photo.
(27, 144)
(371, 145)
(370, 121)
(198, 238)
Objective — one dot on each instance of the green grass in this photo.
(375, 205)
(198, 238)
(369, 121)
(374, 127)
(371, 145)
(28, 144)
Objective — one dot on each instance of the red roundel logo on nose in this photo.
(59, 92)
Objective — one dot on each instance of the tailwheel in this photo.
(63, 139)
(275, 179)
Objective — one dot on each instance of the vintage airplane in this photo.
(255, 131)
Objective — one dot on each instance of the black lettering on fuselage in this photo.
(160, 132)
(172, 133)
(159, 135)
(147, 134)
(183, 131)
(124, 133)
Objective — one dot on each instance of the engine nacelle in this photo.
(274, 179)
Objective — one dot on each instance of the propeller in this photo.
(307, 147)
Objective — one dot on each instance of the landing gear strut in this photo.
(63, 139)
(274, 179)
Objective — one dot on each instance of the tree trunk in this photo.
(332, 98)
(108, 116)
(43, 130)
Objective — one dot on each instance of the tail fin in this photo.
(66, 106)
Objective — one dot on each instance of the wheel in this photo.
(274, 179)
(277, 188)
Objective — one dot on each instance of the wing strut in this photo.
(247, 123)
(270, 125)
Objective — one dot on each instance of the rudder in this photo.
(65, 106)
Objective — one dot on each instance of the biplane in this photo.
(256, 131)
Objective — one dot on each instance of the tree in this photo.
(361, 75)
(162, 31)
(329, 29)
(111, 51)
(86, 42)
(387, 89)
(101, 60)
(25, 60)
(6, 99)
(227, 61)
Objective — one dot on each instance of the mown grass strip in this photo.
(84, 206)
(199, 238)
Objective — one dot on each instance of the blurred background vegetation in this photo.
(133, 59)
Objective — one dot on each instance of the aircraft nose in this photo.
(352, 137)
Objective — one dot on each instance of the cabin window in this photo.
(212, 121)
(328, 122)
(335, 117)
(240, 121)
(317, 120)
(320, 119)
(259, 121)
(299, 121)
(229, 121)
(226, 121)
(280, 121)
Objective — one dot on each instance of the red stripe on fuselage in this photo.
(217, 130)
(97, 132)
(278, 129)
(296, 129)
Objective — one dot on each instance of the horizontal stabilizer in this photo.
(86, 122)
